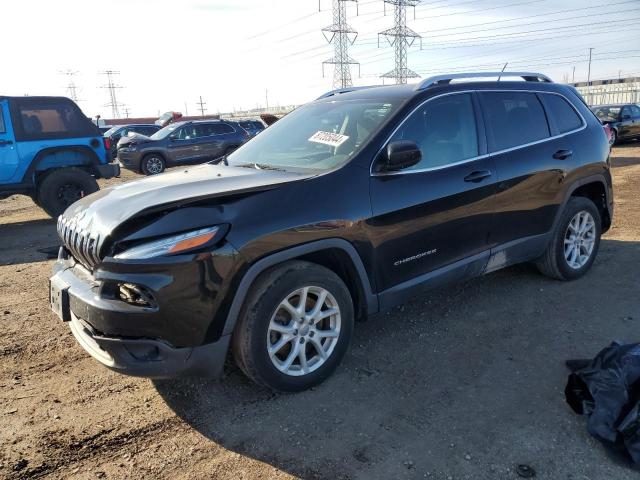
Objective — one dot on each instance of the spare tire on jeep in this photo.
(62, 187)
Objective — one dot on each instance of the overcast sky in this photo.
(169, 52)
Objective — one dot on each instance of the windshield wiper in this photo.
(261, 166)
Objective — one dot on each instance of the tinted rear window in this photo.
(564, 115)
(49, 118)
(514, 119)
(2, 127)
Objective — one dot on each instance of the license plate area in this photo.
(59, 298)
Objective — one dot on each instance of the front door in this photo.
(8, 154)
(437, 213)
(182, 144)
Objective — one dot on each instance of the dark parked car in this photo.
(623, 120)
(253, 127)
(181, 143)
(114, 134)
(345, 207)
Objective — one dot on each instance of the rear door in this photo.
(626, 126)
(439, 211)
(531, 156)
(8, 154)
(635, 116)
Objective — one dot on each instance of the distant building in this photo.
(617, 90)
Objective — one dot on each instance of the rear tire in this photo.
(60, 188)
(152, 164)
(574, 243)
(313, 336)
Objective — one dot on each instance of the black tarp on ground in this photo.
(607, 390)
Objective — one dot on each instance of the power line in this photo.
(112, 87)
(400, 37)
(341, 35)
(72, 89)
(202, 106)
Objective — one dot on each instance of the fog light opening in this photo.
(135, 295)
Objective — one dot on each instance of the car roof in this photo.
(613, 105)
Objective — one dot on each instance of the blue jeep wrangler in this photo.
(50, 151)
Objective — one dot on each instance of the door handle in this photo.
(6, 142)
(562, 154)
(477, 176)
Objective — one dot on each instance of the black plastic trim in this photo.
(292, 253)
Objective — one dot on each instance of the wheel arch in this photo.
(45, 161)
(336, 254)
(594, 188)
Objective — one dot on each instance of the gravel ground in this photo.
(465, 383)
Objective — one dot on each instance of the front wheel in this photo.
(294, 328)
(574, 243)
(60, 188)
(152, 164)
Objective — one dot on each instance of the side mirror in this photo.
(400, 155)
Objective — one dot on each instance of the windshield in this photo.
(111, 131)
(166, 131)
(607, 114)
(317, 136)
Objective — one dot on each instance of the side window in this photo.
(2, 127)
(50, 118)
(564, 115)
(221, 128)
(635, 111)
(186, 133)
(514, 119)
(626, 113)
(444, 129)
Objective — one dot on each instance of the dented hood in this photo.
(100, 213)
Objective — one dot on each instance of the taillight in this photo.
(107, 143)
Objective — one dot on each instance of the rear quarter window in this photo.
(563, 114)
(2, 127)
(514, 119)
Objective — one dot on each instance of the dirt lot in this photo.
(466, 383)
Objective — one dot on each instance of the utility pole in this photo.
(342, 36)
(111, 86)
(573, 75)
(203, 106)
(266, 98)
(400, 37)
(71, 86)
(186, 110)
(589, 74)
(126, 112)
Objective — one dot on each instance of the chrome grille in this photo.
(84, 247)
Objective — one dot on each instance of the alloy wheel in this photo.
(579, 239)
(303, 331)
(154, 165)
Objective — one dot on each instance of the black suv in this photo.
(181, 143)
(623, 120)
(345, 207)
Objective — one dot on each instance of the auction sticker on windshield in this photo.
(329, 138)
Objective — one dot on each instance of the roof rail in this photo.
(339, 91)
(445, 79)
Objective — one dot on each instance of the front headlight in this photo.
(170, 245)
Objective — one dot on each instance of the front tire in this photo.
(294, 328)
(574, 243)
(60, 188)
(152, 164)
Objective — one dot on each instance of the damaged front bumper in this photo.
(173, 336)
